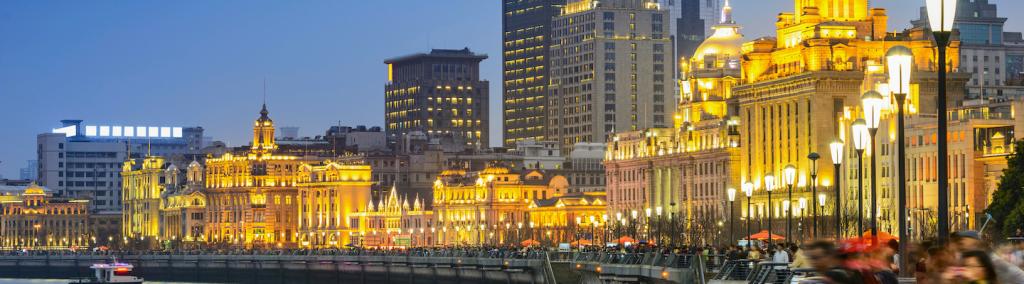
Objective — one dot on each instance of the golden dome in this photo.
(34, 189)
(722, 47)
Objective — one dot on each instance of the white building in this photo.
(84, 161)
(541, 155)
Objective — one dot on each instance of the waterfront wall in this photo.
(291, 269)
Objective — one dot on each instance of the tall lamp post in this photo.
(900, 61)
(940, 16)
(604, 234)
(748, 189)
(872, 103)
(647, 224)
(657, 229)
(769, 182)
(836, 148)
(813, 156)
(731, 192)
(821, 202)
(789, 177)
(860, 137)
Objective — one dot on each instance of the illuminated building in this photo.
(32, 218)
(611, 70)
(801, 90)
(686, 170)
(392, 222)
(470, 206)
(82, 161)
(251, 194)
(526, 33)
(329, 195)
(183, 205)
(438, 93)
(562, 219)
(141, 189)
(259, 197)
(980, 139)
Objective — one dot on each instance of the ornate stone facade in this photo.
(34, 219)
(469, 207)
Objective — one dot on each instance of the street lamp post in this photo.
(900, 60)
(731, 192)
(604, 222)
(941, 14)
(672, 221)
(860, 137)
(813, 156)
(872, 103)
(836, 148)
(789, 177)
(657, 229)
(821, 202)
(769, 182)
(647, 224)
(748, 189)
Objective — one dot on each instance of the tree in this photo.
(1007, 207)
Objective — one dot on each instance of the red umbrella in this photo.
(530, 242)
(581, 243)
(763, 235)
(626, 239)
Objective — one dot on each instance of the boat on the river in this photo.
(114, 272)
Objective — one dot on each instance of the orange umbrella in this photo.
(883, 237)
(626, 239)
(763, 235)
(530, 242)
(581, 243)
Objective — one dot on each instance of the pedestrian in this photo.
(825, 259)
(780, 255)
(799, 258)
(1006, 273)
(976, 267)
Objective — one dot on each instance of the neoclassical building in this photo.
(470, 206)
(801, 90)
(33, 218)
(252, 195)
(330, 196)
(685, 171)
(141, 188)
(575, 217)
(183, 205)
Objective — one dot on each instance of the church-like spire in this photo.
(264, 113)
(727, 14)
(263, 133)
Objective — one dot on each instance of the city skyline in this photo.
(188, 66)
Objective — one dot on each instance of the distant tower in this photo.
(263, 134)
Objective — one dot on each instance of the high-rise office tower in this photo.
(711, 13)
(690, 32)
(526, 33)
(993, 57)
(611, 70)
(439, 94)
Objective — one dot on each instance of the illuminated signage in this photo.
(122, 131)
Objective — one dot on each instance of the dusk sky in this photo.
(188, 63)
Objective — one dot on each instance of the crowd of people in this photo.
(966, 258)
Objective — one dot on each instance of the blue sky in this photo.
(185, 63)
